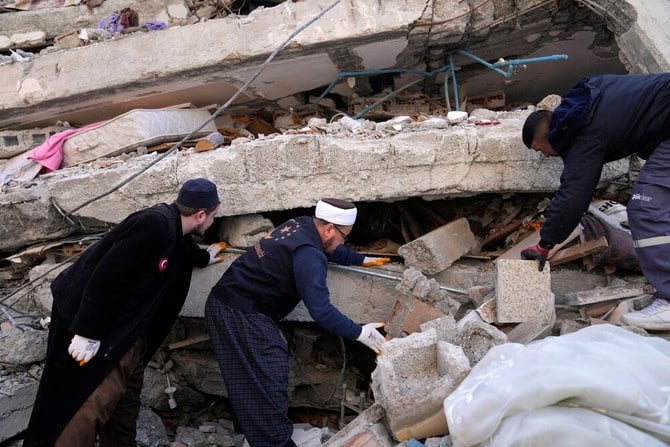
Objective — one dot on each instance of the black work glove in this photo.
(539, 252)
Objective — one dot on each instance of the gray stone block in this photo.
(523, 293)
(437, 250)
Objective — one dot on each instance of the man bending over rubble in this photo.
(602, 119)
(260, 288)
(112, 308)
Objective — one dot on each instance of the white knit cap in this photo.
(333, 214)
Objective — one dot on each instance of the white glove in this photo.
(375, 262)
(83, 349)
(371, 337)
(214, 250)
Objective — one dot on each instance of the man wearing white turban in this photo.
(259, 289)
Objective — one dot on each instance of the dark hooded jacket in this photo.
(602, 119)
(131, 283)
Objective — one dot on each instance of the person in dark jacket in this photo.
(111, 310)
(602, 119)
(259, 289)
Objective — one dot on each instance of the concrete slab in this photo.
(362, 298)
(271, 173)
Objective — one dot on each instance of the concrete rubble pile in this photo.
(457, 190)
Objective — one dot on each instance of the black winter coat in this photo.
(131, 283)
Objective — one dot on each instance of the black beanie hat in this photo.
(198, 193)
(529, 126)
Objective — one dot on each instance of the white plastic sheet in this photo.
(602, 385)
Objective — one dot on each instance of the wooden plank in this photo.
(188, 341)
(499, 233)
(579, 251)
(533, 239)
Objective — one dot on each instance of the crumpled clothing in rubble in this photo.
(599, 386)
(127, 18)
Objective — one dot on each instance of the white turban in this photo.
(338, 216)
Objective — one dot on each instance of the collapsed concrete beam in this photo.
(211, 58)
(295, 171)
(362, 298)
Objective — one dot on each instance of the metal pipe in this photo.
(553, 57)
(362, 271)
(370, 272)
(452, 69)
(446, 91)
(481, 61)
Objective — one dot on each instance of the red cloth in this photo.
(50, 153)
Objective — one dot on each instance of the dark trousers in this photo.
(111, 411)
(649, 219)
(253, 359)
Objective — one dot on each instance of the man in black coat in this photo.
(111, 310)
(602, 119)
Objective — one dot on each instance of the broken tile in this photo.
(408, 314)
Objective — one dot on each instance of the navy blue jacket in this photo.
(602, 119)
(286, 266)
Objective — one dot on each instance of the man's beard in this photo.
(199, 230)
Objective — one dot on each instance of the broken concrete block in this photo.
(367, 430)
(446, 304)
(201, 370)
(41, 294)
(150, 428)
(523, 293)
(21, 347)
(16, 402)
(244, 231)
(569, 326)
(470, 315)
(30, 39)
(480, 294)
(407, 315)
(178, 11)
(444, 326)
(488, 310)
(413, 376)
(601, 294)
(437, 250)
(416, 284)
(528, 331)
(14, 142)
(549, 102)
(477, 338)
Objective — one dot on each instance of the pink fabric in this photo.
(50, 153)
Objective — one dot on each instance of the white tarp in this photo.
(600, 386)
